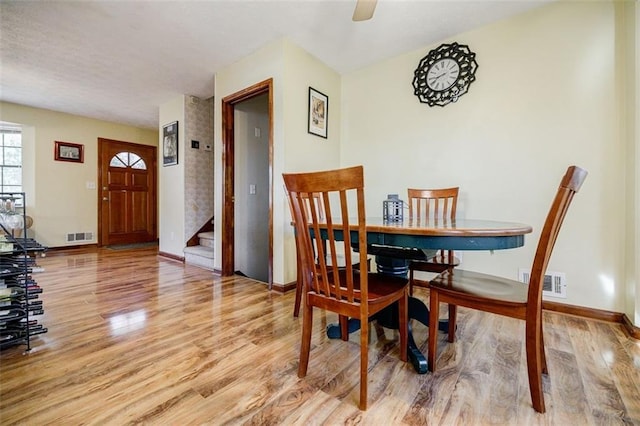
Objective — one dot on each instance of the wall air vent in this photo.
(555, 283)
(79, 236)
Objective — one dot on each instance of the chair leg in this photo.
(453, 309)
(434, 313)
(344, 327)
(542, 354)
(364, 361)
(410, 281)
(296, 306)
(305, 346)
(403, 308)
(533, 340)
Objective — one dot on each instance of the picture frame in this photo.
(318, 113)
(67, 151)
(170, 144)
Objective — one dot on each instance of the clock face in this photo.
(443, 74)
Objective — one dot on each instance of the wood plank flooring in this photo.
(137, 339)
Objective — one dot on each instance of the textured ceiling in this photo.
(119, 60)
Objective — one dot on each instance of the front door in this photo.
(127, 195)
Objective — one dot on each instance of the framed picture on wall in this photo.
(318, 113)
(170, 144)
(67, 151)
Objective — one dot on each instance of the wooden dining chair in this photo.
(432, 205)
(348, 292)
(320, 211)
(507, 297)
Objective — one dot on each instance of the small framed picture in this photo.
(170, 144)
(66, 151)
(318, 113)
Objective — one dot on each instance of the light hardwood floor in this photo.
(135, 338)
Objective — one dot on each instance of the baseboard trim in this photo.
(73, 247)
(283, 288)
(581, 311)
(171, 256)
(596, 314)
(631, 329)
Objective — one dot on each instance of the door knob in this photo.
(105, 198)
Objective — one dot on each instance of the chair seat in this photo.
(380, 286)
(481, 285)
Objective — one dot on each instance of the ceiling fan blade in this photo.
(364, 10)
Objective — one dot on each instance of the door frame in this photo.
(228, 157)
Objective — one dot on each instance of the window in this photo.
(10, 159)
(128, 159)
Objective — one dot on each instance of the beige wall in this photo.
(57, 192)
(171, 183)
(186, 189)
(545, 98)
(631, 15)
(293, 70)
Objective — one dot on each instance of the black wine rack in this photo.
(20, 302)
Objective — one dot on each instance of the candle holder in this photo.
(392, 208)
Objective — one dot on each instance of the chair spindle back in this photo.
(432, 204)
(324, 198)
(569, 186)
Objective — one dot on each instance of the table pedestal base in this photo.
(388, 318)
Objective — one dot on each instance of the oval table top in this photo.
(457, 234)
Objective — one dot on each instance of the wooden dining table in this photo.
(395, 244)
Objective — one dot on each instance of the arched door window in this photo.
(128, 159)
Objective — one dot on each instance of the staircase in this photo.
(201, 255)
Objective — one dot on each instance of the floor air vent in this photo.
(555, 283)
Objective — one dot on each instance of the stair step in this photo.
(206, 239)
(203, 251)
(201, 256)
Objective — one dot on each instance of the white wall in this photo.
(636, 207)
(631, 10)
(293, 70)
(303, 150)
(171, 186)
(57, 195)
(545, 98)
(263, 64)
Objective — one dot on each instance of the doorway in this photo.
(251, 187)
(229, 105)
(127, 193)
